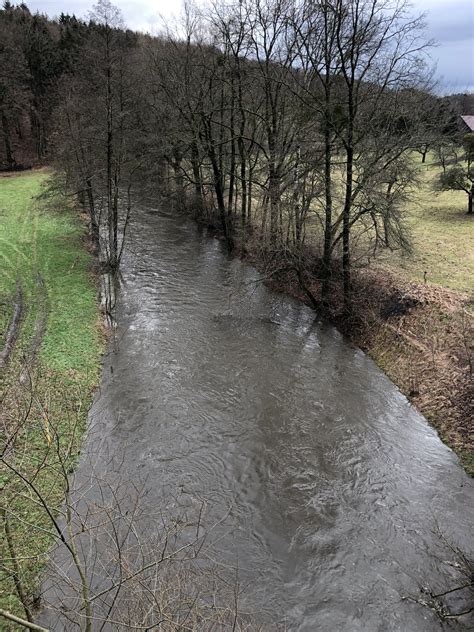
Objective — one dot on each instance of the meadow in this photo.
(442, 235)
(46, 386)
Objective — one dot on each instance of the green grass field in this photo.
(36, 239)
(442, 234)
(42, 249)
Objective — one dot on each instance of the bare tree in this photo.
(459, 178)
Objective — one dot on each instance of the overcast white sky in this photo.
(450, 23)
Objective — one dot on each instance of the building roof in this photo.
(469, 120)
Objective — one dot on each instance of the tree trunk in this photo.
(328, 217)
(81, 197)
(249, 200)
(179, 182)
(197, 178)
(470, 198)
(346, 225)
(328, 236)
(11, 163)
(219, 189)
(115, 220)
(243, 195)
(112, 254)
(37, 127)
(346, 259)
(386, 232)
(242, 156)
(19, 131)
(220, 202)
(93, 219)
(230, 197)
(273, 194)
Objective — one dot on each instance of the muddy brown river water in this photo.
(220, 389)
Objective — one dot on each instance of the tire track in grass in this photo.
(13, 329)
(39, 328)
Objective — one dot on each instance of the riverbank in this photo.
(49, 319)
(429, 351)
(412, 312)
(426, 348)
(415, 312)
(421, 336)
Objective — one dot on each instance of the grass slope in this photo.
(41, 247)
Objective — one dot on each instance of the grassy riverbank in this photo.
(428, 350)
(421, 336)
(47, 382)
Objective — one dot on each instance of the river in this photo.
(220, 391)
